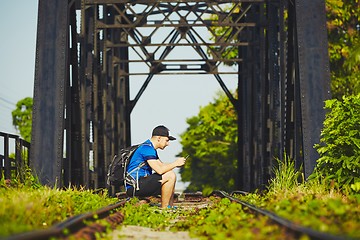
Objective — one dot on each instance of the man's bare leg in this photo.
(167, 189)
(171, 202)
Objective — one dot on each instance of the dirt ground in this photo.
(141, 233)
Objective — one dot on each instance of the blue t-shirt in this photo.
(145, 152)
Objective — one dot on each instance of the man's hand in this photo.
(180, 161)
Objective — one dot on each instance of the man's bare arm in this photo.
(161, 168)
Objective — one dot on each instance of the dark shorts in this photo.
(148, 186)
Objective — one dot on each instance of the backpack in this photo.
(117, 169)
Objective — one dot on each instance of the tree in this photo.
(211, 142)
(22, 117)
(343, 17)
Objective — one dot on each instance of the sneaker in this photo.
(172, 207)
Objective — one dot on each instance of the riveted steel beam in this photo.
(51, 69)
(314, 74)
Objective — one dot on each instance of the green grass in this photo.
(29, 206)
(311, 203)
(32, 207)
(228, 220)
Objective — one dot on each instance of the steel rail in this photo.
(70, 225)
(313, 234)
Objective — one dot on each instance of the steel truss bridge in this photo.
(88, 51)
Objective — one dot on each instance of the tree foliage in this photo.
(343, 19)
(22, 117)
(211, 142)
(340, 149)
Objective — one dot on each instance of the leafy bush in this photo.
(340, 143)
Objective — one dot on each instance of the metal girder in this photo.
(281, 82)
(73, 155)
(314, 74)
(253, 101)
(182, 32)
(51, 71)
(151, 32)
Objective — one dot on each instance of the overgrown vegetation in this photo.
(285, 176)
(309, 203)
(148, 216)
(228, 220)
(313, 203)
(339, 150)
(28, 206)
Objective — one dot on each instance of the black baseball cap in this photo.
(162, 131)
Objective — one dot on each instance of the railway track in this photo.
(87, 226)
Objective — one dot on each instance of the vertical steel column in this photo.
(244, 160)
(73, 113)
(124, 105)
(260, 99)
(107, 78)
(252, 65)
(276, 147)
(293, 138)
(97, 107)
(86, 82)
(251, 120)
(314, 74)
(51, 70)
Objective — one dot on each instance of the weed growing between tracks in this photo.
(221, 219)
(312, 203)
(148, 216)
(32, 207)
(229, 220)
(330, 212)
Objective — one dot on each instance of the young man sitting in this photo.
(149, 175)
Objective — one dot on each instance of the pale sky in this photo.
(168, 100)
